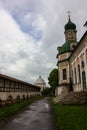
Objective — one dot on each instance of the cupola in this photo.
(70, 25)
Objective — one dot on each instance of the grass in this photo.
(71, 117)
(13, 109)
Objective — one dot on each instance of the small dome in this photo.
(70, 25)
(40, 81)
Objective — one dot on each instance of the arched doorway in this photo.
(84, 80)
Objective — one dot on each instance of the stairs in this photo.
(72, 98)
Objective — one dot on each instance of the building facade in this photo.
(72, 61)
(41, 83)
(78, 65)
(14, 89)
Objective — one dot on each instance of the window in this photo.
(86, 56)
(72, 76)
(75, 75)
(83, 64)
(79, 74)
(84, 79)
(64, 74)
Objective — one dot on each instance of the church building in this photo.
(41, 83)
(72, 61)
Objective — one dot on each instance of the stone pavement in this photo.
(37, 116)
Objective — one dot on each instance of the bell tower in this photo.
(64, 53)
(70, 30)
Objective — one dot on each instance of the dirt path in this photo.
(37, 116)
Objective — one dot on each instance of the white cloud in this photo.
(16, 47)
(39, 23)
(21, 55)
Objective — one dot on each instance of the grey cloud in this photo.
(30, 60)
(23, 54)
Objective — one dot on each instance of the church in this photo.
(72, 61)
(41, 83)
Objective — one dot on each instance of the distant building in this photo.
(72, 61)
(40, 82)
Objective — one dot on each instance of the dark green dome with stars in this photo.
(70, 25)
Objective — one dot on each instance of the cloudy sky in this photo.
(31, 30)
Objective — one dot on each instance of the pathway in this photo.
(37, 116)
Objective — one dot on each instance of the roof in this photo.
(80, 42)
(40, 81)
(16, 80)
(85, 24)
(70, 25)
(66, 46)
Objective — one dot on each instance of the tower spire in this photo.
(69, 14)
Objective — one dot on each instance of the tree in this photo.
(46, 91)
(53, 79)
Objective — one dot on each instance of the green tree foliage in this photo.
(53, 80)
(46, 91)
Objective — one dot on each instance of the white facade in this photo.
(79, 59)
(76, 67)
(40, 82)
(72, 62)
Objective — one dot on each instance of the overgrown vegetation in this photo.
(71, 117)
(8, 111)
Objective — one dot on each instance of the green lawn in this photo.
(71, 117)
(8, 111)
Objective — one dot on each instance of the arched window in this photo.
(83, 64)
(75, 76)
(86, 56)
(72, 76)
(79, 74)
(84, 79)
(64, 74)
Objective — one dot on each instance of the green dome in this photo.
(65, 47)
(70, 25)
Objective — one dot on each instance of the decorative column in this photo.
(81, 71)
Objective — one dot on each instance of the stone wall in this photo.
(62, 90)
(5, 95)
(13, 90)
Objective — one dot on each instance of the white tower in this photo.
(40, 82)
